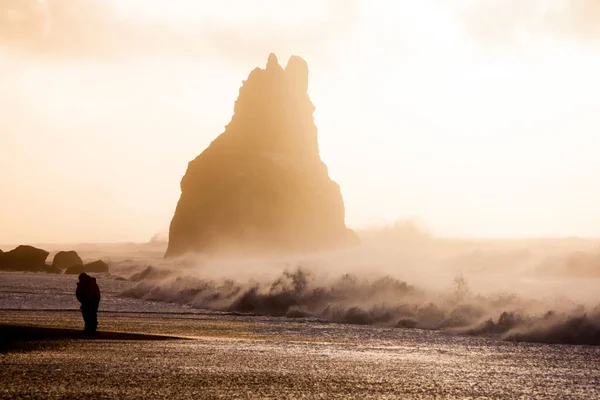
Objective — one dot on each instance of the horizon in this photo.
(56, 246)
(476, 132)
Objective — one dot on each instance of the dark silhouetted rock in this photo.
(67, 259)
(260, 186)
(96, 267)
(24, 258)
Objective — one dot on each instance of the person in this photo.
(88, 294)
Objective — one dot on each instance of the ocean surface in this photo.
(232, 354)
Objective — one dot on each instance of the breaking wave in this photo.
(344, 288)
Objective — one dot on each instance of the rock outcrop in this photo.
(67, 259)
(24, 258)
(96, 267)
(261, 187)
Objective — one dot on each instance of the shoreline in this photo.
(147, 356)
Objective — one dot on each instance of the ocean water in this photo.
(232, 354)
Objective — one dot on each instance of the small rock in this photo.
(24, 258)
(97, 267)
(67, 259)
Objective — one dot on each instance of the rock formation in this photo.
(24, 258)
(67, 259)
(261, 187)
(97, 267)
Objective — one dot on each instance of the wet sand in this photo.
(170, 356)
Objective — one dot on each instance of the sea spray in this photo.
(496, 291)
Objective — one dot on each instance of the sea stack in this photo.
(261, 187)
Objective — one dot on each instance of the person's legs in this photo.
(94, 317)
(84, 314)
(89, 318)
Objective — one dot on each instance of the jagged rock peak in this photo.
(273, 63)
(297, 72)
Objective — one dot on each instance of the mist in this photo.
(117, 31)
(542, 290)
(520, 22)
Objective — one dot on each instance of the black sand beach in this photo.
(170, 356)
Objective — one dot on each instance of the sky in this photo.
(475, 118)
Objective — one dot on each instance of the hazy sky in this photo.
(476, 117)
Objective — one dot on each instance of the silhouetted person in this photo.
(88, 294)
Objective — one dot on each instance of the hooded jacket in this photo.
(87, 291)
